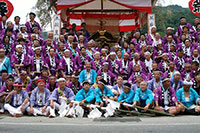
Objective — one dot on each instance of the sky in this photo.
(23, 7)
(183, 3)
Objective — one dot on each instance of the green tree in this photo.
(44, 10)
(169, 17)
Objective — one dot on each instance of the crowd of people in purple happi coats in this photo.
(147, 70)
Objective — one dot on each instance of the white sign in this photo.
(56, 27)
(151, 21)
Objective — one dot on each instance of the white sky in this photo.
(23, 7)
(183, 3)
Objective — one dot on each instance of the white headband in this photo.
(19, 46)
(61, 79)
(67, 50)
(185, 82)
(37, 48)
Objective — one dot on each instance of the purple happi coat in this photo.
(80, 62)
(163, 66)
(133, 76)
(125, 69)
(45, 50)
(149, 39)
(141, 63)
(173, 36)
(110, 76)
(50, 87)
(186, 75)
(17, 101)
(180, 63)
(180, 29)
(63, 65)
(172, 55)
(9, 49)
(53, 42)
(131, 54)
(195, 59)
(52, 64)
(30, 27)
(113, 67)
(74, 53)
(159, 96)
(68, 93)
(33, 63)
(23, 59)
(59, 54)
(35, 99)
(97, 65)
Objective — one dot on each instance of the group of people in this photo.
(42, 77)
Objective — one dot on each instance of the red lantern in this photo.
(6, 8)
(194, 6)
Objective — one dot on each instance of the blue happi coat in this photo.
(6, 65)
(82, 95)
(147, 95)
(83, 76)
(106, 92)
(126, 97)
(193, 97)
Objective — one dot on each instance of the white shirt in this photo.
(157, 85)
(196, 58)
(48, 47)
(25, 35)
(18, 99)
(149, 64)
(171, 74)
(17, 27)
(187, 99)
(68, 64)
(3, 26)
(165, 65)
(88, 76)
(40, 98)
(166, 100)
(105, 76)
(188, 52)
(119, 90)
(187, 75)
(37, 65)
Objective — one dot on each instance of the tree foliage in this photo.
(44, 10)
(169, 17)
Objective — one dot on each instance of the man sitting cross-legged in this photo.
(17, 101)
(39, 100)
(143, 96)
(56, 97)
(165, 98)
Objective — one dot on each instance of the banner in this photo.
(194, 6)
(56, 27)
(151, 21)
(6, 8)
